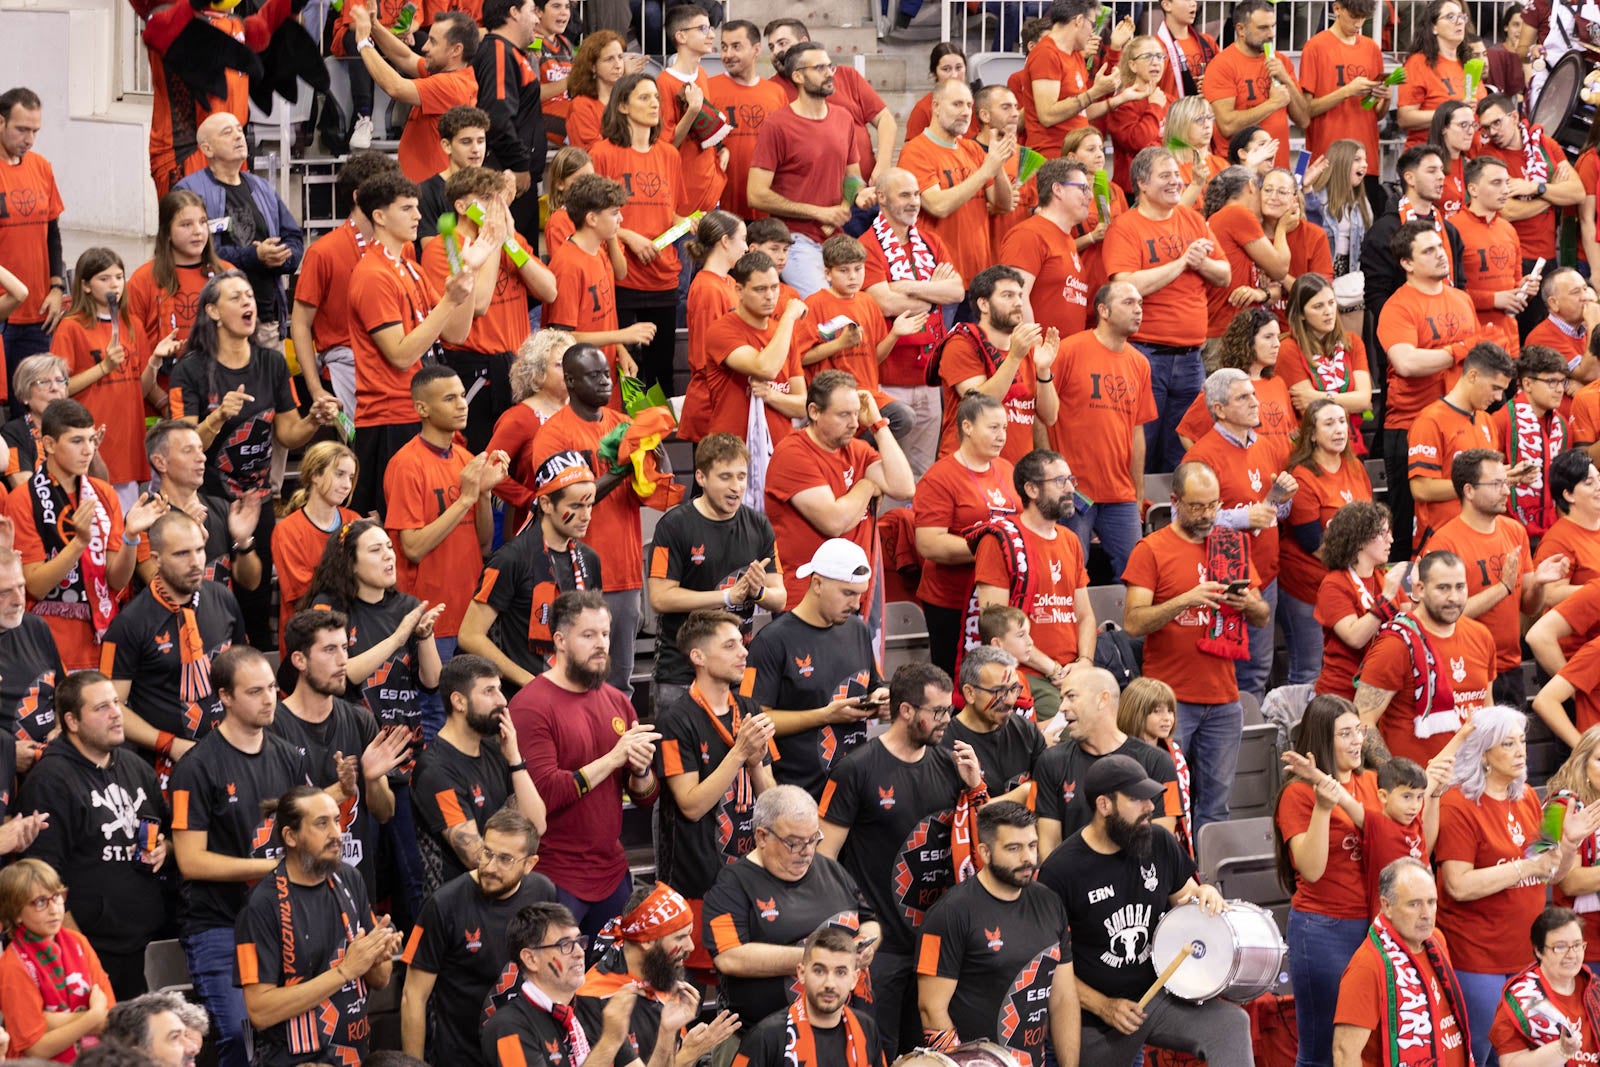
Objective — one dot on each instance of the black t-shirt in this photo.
(8, 773)
(1003, 955)
(324, 920)
(702, 554)
(1113, 905)
(431, 203)
(520, 582)
(245, 222)
(461, 938)
(798, 667)
(144, 648)
(516, 1032)
(30, 666)
(1006, 754)
(218, 789)
(899, 816)
(101, 820)
(393, 692)
(747, 905)
(19, 434)
(767, 1043)
(240, 458)
(451, 788)
(689, 852)
(590, 1004)
(348, 729)
(1064, 765)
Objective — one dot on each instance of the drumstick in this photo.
(1165, 976)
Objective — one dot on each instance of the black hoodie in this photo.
(99, 822)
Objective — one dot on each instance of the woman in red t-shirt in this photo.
(970, 485)
(53, 990)
(538, 391)
(1489, 886)
(1139, 110)
(1577, 784)
(1356, 597)
(1087, 145)
(598, 65)
(1283, 211)
(1148, 711)
(1330, 476)
(719, 241)
(316, 512)
(1250, 344)
(1453, 128)
(1319, 855)
(1320, 358)
(1558, 977)
(1187, 131)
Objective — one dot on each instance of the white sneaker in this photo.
(361, 134)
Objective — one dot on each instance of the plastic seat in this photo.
(166, 968)
(1255, 783)
(1108, 602)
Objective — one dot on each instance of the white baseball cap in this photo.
(839, 559)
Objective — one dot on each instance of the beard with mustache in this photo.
(321, 867)
(1016, 877)
(1131, 837)
(659, 970)
(586, 679)
(485, 723)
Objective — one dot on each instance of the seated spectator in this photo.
(1493, 277)
(1148, 712)
(538, 391)
(1557, 977)
(1434, 74)
(1283, 208)
(597, 66)
(316, 512)
(1318, 358)
(36, 381)
(946, 62)
(153, 1024)
(1571, 316)
(719, 242)
(161, 292)
(1336, 200)
(751, 363)
(1258, 264)
(1137, 113)
(49, 972)
(1358, 595)
(1052, 271)
(179, 460)
(1251, 343)
(1532, 433)
(1446, 428)
(464, 131)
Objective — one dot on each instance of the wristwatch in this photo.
(1542, 188)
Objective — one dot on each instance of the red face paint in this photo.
(567, 516)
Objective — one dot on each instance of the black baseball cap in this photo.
(1120, 774)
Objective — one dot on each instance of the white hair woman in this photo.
(538, 394)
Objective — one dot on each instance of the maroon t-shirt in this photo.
(807, 158)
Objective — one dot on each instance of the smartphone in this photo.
(1238, 588)
(866, 943)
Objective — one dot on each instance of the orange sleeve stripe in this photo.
(411, 945)
(180, 809)
(827, 795)
(108, 656)
(671, 759)
(450, 808)
(1172, 801)
(747, 684)
(509, 1049)
(658, 562)
(1032, 802)
(723, 933)
(175, 403)
(486, 586)
(928, 956)
(249, 965)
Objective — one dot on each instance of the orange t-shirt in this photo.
(24, 235)
(861, 361)
(703, 178)
(614, 529)
(1168, 565)
(1364, 1002)
(798, 463)
(583, 122)
(586, 292)
(1245, 476)
(1107, 397)
(746, 108)
(1338, 598)
(952, 496)
(421, 152)
(156, 313)
(1550, 335)
(23, 1003)
(1537, 232)
(1279, 423)
(1059, 296)
(1235, 226)
(557, 229)
(961, 361)
(921, 118)
(1582, 549)
(1428, 87)
(419, 485)
(1582, 672)
(729, 390)
(1027, 201)
(1335, 375)
(965, 231)
(1413, 317)
(1487, 833)
(385, 292)
(711, 296)
(1493, 262)
(324, 283)
(68, 619)
(297, 547)
(1483, 555)
(1057, 570)
(1321, 494)
(504, 326)
(1468, 655)
(1175, 314)
(1341, 892)
(1049, 63)
(1440, 433)
(1244, 80)
(117, 400)
(1329, 63)
(657, 195)
(1309, 253)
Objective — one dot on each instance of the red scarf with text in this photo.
(801, 1048)
(1227, 560)
(914, 265)
(1409, 1027)
(1526, 990)
(1534, 441)
(1535, 160)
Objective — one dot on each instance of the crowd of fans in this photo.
(943, 371)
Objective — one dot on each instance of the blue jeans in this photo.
(1482, 994)
(1118, 527)
(804, 269)
(1175, 380)
(400, 839)
(1209, 736)
(1319, 949)
(210, 955)
(21, 341)
(1303, 636)
(1252, 673)
(592, 915)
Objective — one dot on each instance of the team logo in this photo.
(477, 795)
(263, 834)
(752, 116)
(1346, 496)
(1255, 480)
(1515, 829)
(164, 642)
(618, 725)
(992, 938)
(705, 752)
(1458, 669)
(1068, 791)
(233, 793)
(1055, 571)
(1149, 876)
(886, 797)
(474, 939)
(552, 1050)
(768, 909)
(1023, 1023)
(922, 869)
(648, 183)
(849, 476)
(697, 554)
(803, 665)
(997, 499)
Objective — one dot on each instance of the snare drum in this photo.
(972, 1054)
(1237, 954)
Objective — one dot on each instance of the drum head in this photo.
(1559, 111)
(1208, 970)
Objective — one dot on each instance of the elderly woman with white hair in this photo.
(538, 395)
(1491, 879)
(38, 380)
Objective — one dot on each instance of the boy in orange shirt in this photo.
(1449, 426)
(1492, 265)
(750, 352)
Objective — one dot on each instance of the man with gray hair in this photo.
(1007, 744)
(1169, 253)
(1256, 493)
(1401, 977)
(1089, 699)
(153, 1024)
(762, 907)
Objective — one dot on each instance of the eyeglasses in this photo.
(1148, 56)
(568, 945)
(1553, 382)
(796, 845)
(1201, 509)
(704, 27)
(1452, 16)
(38, 383)
(1084, 186)
(938, 711)
(1001, 692)
(1060, 482)
(1464, 124)
(42, 902)
(499, 859)
(1492, 125)
(1563, 948)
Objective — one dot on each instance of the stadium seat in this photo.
(993, 68)
(1108, 602)
(1240, 858)
(1252, 709)
(1255, 783)
(1158, 490)
(1379, 476)
(165, 968)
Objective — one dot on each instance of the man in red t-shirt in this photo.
(1339, 69)
(30, 244)
(1572, 313)
(1171, 603)
(1450, 425)
(1247, 87)
(1059, 96)
(855, 96)
(1041, 248)
(1492, 266)
(745, 100)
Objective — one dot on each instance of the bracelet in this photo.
(515, 767)
(365, 42)
(244, 549)
(55, 284)
(879, 425)
(727, 598)
(164, 743)
(1042, 378)
(582, 782)
(134, 541)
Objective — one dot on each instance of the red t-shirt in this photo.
(953, 497)
(504, 326)
(1094, 266)
(1506, 1035)
(1493, 262)
(1538, 232)
(907, 362)
(860, 361)
(1580, 546)
(1321, 494)
(728, 391)
(798, 463)
(1059, 296)
(703, 178)
(1427, 87)
(1245, 476)
(1581, 610)
(1483, 555)
(24, 233)
(419, 485)
(385, 292)
(1107, 398)
(965, 231)
(583, 122)
(1329, 63)
(1244, 80)
(156, 312)
(117, 400)
(1330, 374)
(324, 283)
(1049, 63)
(859, 100)
(1439, 320)
(1175, 314)
(808, 159)
(1364, 1000)
(1440, 433)
(297, 547)
(1058, 573)
(1279, 423)
(1467, 655)
(1341, 892)
(1235, 226)
(421, 151)
(1134, 126)
(657, 195)
(1337, 599)
(711, 296)
(1487, 833)
(614, 529)
(586, 292)
(1167, 564)
(962, 361)
(1383, 841)
(921, 118)
(1550, 335)
(746, 108)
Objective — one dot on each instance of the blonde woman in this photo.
(1190, 122)
(316, 512)
(1577, 785)
(1149, 711)
(1139, 111)
(539, 391)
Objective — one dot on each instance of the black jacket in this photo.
(508, 89)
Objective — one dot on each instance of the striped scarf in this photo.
(1409, 1027)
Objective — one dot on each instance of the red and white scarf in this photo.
(1527, 990)
(1433, 698)
(52, 511)
(1331, 372)
(1411, 1021)
(801, 1048)
(1535, 160)
(1533, 442)
(1185, 792)
(914, 265)
(1408, 213)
